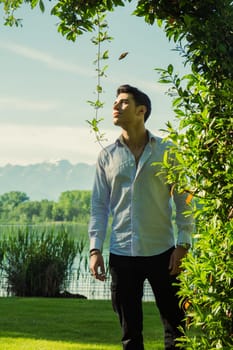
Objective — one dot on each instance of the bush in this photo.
(38, 263)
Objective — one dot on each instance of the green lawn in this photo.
(68, 324)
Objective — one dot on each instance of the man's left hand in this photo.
(175, 260)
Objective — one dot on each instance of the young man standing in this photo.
(142, 244)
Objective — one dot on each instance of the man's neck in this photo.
(135, 138)
(136, 142)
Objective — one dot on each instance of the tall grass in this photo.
(38, 263)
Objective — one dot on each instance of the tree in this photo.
(13, 198)
(27, 212)
(10, 201)
(76, 204)
(203, 142)
(46, 210)
(15, 207)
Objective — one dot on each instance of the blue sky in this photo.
(47, 80)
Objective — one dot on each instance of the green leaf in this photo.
(99, 89)
(42, 7)
(105, 55)
(34, 3)
(160, 22)
(165, 81)
(170, 69)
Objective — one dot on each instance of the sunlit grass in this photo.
(68, 324)
(34, 344)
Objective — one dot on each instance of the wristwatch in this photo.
(184, 245)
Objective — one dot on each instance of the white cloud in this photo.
(46, 58)
(22, 104)
(57, 64)
(151, 87)
(32, 144)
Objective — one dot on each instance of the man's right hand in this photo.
(97, 265)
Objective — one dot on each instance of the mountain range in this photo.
(46, 180)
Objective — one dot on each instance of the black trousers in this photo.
(128, 276)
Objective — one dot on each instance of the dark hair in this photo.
(140, 97)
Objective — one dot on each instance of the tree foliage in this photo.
(203, 142)
(202, 102)
(16, 207)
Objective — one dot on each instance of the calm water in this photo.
(81, 281)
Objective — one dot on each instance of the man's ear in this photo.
(142, 110)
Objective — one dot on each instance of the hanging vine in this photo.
(101, 56)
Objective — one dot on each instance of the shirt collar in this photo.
(152, 138)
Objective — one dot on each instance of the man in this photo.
(142, 244)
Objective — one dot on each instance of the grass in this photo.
(68, 324)
(77, 231)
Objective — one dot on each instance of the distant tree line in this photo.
(16, 207)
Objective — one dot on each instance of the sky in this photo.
(47, 80)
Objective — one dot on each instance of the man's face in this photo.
(124, 110)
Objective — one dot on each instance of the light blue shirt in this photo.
(139, 200)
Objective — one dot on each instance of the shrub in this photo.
(38, 263)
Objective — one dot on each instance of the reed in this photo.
(38, 262)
